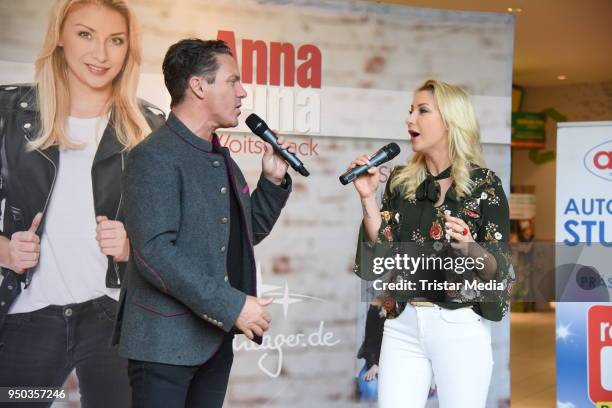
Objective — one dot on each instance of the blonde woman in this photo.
(63, 247)
(443, 204)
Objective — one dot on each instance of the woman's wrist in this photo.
(367, 198)
(477, 252)
(125, 255)
(5, 255)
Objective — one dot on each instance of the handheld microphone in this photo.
(259, 127)
(385, 154)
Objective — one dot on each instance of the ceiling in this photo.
(552, 37)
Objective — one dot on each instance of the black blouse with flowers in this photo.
(418, 223)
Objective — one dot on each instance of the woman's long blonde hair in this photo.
(51, 77)
(463, 141)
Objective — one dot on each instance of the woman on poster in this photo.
(64, 247)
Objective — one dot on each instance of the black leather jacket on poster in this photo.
(27, 177)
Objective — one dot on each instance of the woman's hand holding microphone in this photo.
(367, 185)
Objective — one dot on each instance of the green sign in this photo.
(528, 129)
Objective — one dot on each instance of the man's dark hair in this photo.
(188, 58)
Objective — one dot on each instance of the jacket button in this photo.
(23, 104)
(216, 163)
(68, 312)
(226, 279)
(10, 287)
(223, 249)
(223, 190)
(224, 220)
(2, 303)
(27, 125)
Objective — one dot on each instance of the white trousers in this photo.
(452, 345)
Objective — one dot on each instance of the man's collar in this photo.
(179, 128)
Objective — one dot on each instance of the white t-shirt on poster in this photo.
(71, 267)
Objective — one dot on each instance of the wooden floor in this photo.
(532, 360)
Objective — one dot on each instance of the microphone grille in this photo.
(256, 124)
(392, 150)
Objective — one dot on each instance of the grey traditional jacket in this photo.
(176, 303)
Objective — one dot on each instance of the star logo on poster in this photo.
(284, 298)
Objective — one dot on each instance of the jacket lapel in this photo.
(106, 174)
(109, 144)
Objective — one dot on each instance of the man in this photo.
(192, 225)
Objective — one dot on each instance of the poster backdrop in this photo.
(337, 76)
(584, 237)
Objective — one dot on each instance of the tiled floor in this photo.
(532, 360)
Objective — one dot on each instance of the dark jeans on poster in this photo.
(156, 385)
(41, 348)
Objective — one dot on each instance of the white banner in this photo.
(343, 89)
(583, 259)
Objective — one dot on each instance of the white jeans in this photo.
(452, 345)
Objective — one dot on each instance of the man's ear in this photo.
(198, 86)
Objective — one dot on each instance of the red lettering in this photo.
(230, 40)
(309, 73)
(313, 148)
(599, 160)
(303, 152)
(258, 146)
(261, 147)
(385, 172)
(223, 139)
(249, 47)
(235, 146)
(276, 50)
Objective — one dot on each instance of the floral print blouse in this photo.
(419, 225)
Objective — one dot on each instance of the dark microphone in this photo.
(259, 127)
(385, 154)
